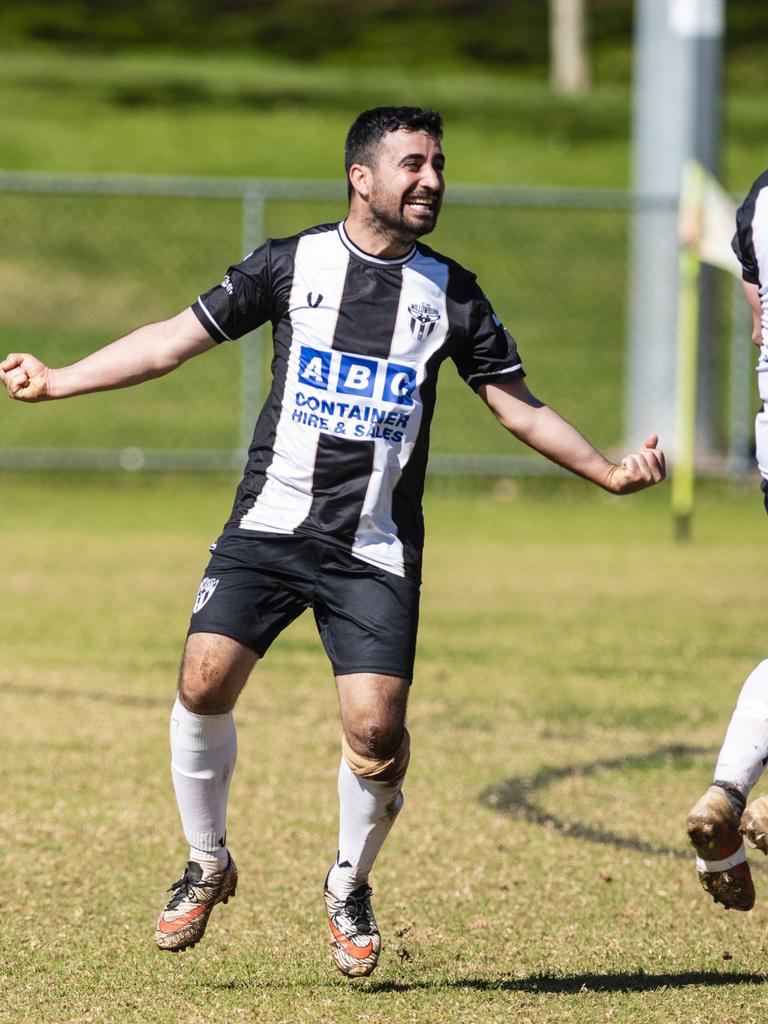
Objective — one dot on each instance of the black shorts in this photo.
(256, 584)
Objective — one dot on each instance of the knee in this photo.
(199, 699)
(373, 738)
(214, 669)
(200, 692)
(380, 757)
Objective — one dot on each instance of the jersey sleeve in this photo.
(243, 300)
(751, 225)
(741, 243)
(490, 354)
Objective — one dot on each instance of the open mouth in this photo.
(426, 203)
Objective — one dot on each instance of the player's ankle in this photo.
(342, 882)
(736, 797)
(210, 862)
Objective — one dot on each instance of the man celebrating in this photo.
(328, 513)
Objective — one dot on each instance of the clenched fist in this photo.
(639, 470)
(26, 379)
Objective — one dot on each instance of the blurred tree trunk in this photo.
(568, 57)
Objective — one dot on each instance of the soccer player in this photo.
(718, 820)
(328, 512)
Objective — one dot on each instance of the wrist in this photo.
(54, 386)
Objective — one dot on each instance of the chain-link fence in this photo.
(84, 260)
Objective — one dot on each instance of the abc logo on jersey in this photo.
(347, 374)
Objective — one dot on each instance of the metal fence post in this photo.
(251, 370)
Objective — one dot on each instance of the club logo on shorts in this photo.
(205, 593)
(423, 319)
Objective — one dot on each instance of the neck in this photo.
(376, 240)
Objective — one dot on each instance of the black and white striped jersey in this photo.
(340, 447)
(750, 243)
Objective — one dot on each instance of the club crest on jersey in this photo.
(205, 593)
(423, 319)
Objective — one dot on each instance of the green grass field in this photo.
(576, 671)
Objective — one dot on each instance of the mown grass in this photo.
(576, 670)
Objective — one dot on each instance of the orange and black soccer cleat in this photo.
(355, 937)
(183, 920)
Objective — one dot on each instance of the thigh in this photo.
(253, 587)
(367, 618)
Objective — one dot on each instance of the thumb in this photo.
(651, 441)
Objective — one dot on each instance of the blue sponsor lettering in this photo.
(378, 431)
(356, 376)
(309, 419)
(399, 382)
(345, 374)
(314, 367)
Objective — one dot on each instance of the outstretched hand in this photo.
(640, 470)
(26, 379)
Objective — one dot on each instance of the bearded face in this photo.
(404, 191)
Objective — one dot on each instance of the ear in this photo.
(360, 179)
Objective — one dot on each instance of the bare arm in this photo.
(752, 292)
(545, 430)
(148, 352)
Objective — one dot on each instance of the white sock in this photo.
(367, 812)
(745, 749)
(203, 755)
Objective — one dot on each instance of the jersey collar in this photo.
(366, 257)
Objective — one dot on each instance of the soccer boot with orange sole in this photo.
(721, 860)
(355, 937)
(754, 824)
(183, 920)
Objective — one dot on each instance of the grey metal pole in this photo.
(676, 117)
(251, 362)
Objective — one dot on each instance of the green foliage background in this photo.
(510, 35)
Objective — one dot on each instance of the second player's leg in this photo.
(718, 820)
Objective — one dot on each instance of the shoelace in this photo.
(357, 908)
(182, 889)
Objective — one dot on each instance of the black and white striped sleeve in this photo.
(243, 300)
(490, 355)
(749, 242)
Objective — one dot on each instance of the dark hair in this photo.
(371, 126)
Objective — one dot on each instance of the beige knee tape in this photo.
(391, 769)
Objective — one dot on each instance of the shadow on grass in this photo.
(578, 984)
(514, 797)
(549, 984)
(94, 696)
